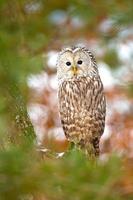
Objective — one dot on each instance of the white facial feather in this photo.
(73, 55)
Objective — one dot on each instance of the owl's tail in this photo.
(91, 148)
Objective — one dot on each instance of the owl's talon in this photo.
(71, 146)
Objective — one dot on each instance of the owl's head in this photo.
(75, 62)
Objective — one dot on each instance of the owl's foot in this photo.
(71, 146)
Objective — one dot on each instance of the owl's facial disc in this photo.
(74, 64)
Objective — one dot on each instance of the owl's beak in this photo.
(74, 70)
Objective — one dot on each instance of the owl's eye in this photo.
(80, 62)
(68, 63)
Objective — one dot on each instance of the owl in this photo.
(82, 104)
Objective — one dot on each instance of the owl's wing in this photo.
(96, 108)
(96, 104)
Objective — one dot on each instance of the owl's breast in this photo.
(72, 96)
(72, 107)
(72, 100)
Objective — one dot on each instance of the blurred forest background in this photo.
(32, 32)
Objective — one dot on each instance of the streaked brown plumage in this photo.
(81, 100)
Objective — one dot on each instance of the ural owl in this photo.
(82, 103)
